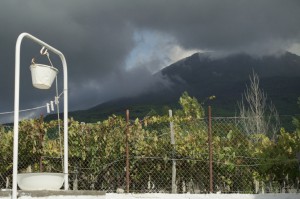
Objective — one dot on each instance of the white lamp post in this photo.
(16, 109)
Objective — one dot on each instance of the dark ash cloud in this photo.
(98, 38)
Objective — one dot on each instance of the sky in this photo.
(113, 47)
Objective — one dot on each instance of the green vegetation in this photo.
(95, 149)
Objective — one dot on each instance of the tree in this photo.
(258, 116)
(190, 107)
(296, 120)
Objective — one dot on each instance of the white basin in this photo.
(40, 181)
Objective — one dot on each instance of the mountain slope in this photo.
(202, 76)
(226, 78)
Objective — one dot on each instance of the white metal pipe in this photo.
(16, 109)
(16, 116)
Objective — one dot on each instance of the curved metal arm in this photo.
(16, 108)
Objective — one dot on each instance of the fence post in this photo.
(127, 151)
(211, 188)
(174, 187)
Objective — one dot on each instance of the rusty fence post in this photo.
(211, 188)
(127, 151)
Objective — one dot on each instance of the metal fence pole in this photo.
(211, 188)
(174, 187)
(127, 152)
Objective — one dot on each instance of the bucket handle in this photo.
(43, 51)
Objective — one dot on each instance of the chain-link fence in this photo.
(141, 155)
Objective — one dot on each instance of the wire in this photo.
(58, 119)
(104, 166)
(24, 110)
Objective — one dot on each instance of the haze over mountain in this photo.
(203, 75)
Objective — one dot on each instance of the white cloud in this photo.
(177, 53)
(295, 48)
(155, 50)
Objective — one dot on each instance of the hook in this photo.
(44, 51)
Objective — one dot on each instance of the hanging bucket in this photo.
(42, 75)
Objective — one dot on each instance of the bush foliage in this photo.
(95, 148)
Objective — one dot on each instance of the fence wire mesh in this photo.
(241, 163)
